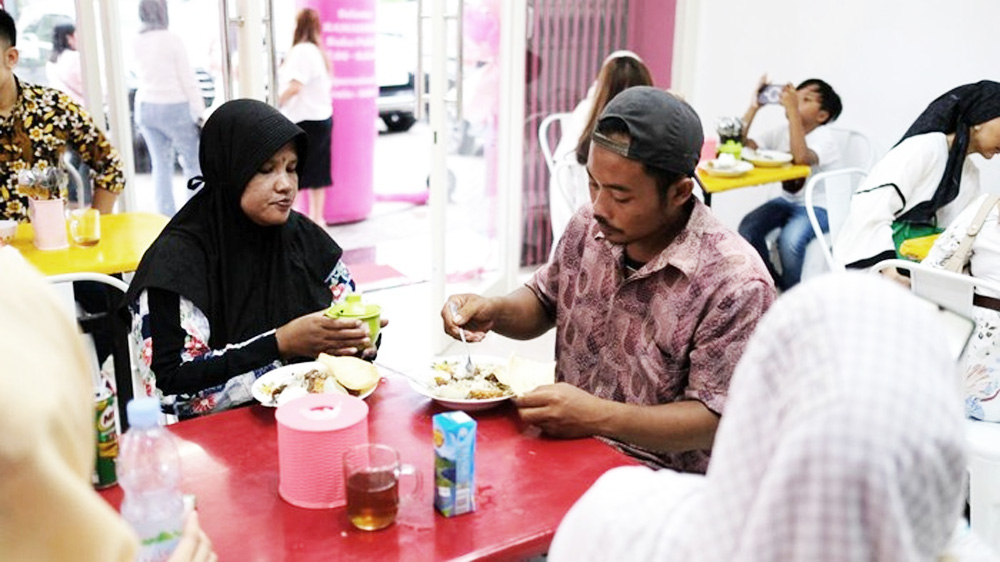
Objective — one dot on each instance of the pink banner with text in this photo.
(348, 37)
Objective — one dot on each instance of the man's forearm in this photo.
(104, 200)
(679, 426)
(520, 315)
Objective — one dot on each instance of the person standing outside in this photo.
(168, 101)
(807, 107)
(652, 298)
(37, 124)
(63, 69)
(305, 100)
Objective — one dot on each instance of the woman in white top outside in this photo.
(306, 75)
(620, 70)
(63, 68)
(168, 102)
(836, 450)
(926, 180)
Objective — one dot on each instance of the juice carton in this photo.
(454, 463)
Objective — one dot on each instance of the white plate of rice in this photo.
(447, 385)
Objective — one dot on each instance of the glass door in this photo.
(461, 43)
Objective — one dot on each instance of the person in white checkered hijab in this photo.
(847, 445)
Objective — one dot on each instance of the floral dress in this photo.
(981, 361)
(260, 352)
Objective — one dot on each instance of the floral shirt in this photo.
(674, 330)
(43, 124)
(224, 376)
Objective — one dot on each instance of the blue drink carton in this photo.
(454, 463)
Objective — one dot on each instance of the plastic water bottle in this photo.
(149, 473)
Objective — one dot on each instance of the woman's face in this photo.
(267, 199)
(985, 138)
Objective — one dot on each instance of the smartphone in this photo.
(769, 93)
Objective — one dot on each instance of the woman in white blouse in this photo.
(922, 184)
(168, 102)
(305, 100)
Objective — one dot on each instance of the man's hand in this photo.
(472, 313)
(563, 410)
(315, 333)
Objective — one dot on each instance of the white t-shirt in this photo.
(908, 175)
(305, 65)
(164, 73)
(820, 140)
(65, 75)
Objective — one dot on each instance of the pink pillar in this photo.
(349, 42)
(651, 34)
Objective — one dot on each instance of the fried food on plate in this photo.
(524, 375)
(353, 373)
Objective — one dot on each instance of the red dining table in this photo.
(525, 484)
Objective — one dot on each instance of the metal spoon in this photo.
(470, 369)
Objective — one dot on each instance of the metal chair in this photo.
(838, 186)
(955, 292)
(544, 134)
(120, 352)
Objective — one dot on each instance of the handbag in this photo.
(958, 261)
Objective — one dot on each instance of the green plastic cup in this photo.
(352, 307)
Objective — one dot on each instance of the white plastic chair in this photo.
(125, 381)
(955, 292)
(838, 186)
(856, 149)
(857, 153)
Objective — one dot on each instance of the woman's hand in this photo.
(194, 546)
(893, 274)
(312, 334)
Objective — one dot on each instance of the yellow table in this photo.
(124, 239)
(756, 176)
(916, 249)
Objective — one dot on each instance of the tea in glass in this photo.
(371, 476)
(372, 499)
(85, 226)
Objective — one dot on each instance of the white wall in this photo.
(886, 58)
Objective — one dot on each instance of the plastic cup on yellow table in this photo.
(352, 307)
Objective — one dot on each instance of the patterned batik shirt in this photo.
(42, 125)
(674, 330)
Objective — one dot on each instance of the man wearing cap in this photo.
(652, 298)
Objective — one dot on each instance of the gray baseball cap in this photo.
(664, 131)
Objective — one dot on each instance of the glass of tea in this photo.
(85, 226)
(372, 473)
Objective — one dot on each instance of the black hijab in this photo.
(954, 112)
(247, 279)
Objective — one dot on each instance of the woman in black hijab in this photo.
(237, 282)
(926, 180)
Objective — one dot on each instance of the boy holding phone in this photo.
(808, 107)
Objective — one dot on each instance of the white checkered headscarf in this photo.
(843, 435)
(842, 440)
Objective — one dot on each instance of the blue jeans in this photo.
(795, 235)
(168, 128)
